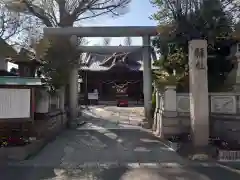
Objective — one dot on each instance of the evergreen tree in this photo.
(207, 20)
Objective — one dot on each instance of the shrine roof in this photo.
(26, 81)
(6, 49)
(104, 62)
(24, 56)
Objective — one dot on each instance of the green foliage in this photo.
(58, 59)
(181, 21)
(173, 69)
(162, 79)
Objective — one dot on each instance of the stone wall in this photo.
(51, 124)
(41, 131)
(173, 119)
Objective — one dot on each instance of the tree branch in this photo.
(39, 15)
(93, 6)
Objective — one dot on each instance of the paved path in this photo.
(101, 153)
(112, 117)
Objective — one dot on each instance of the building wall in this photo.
(3, 64)
(224, 115)
(105, 81)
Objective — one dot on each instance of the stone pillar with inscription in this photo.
(198, 81)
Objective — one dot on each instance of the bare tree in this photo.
(11, 25)
(106, 41)
(128, 41)
(61, 55)
(232, 6)
(61, 13)
(64, 13)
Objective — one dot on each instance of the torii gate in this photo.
(118, 31)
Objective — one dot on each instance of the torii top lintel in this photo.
(103, 31)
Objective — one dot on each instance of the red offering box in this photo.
(122, 102)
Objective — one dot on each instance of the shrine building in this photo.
(109, 74)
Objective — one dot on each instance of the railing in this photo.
(219, 103)
(172, 117)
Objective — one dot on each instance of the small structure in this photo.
(27, 63)
(17, 94)
(6, 52)
(17, 102)
(26, 121)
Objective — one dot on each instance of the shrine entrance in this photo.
(133, 90)
(144, 32)
(113, 81)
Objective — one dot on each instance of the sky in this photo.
(138, 15)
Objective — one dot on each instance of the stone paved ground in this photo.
(99, 153)
(112, 117)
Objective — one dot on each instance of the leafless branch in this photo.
(41, 14)
(98, 8)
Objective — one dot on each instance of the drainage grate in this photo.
(224, 155)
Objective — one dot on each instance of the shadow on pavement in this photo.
(216, 173)
(115, 173)
(75, 147)
(232, 165)
(105, 154)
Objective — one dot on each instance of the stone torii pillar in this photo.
(147, 78)
(73, 87)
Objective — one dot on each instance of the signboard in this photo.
(14, 103)
(93, 96)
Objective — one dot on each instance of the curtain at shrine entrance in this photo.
(132, 88)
